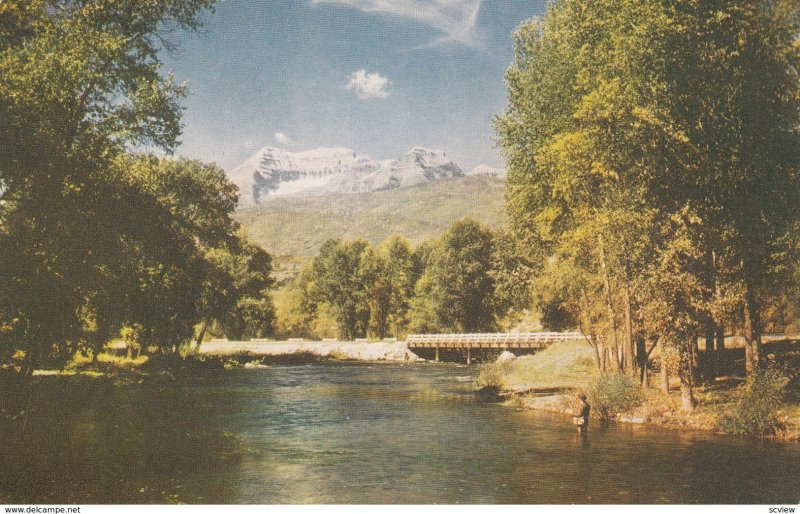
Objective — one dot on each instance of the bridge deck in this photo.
(527, 340)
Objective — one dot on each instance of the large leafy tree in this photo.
(80, 85)
(680, 117)
(393, 287)
(342, 276)
(456, 292)
(253, 314)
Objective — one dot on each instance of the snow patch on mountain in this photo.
(277, 172)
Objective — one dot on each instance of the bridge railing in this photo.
(493, 338)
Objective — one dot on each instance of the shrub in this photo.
(612, 393)
(338, 355)
(756, 412)
(493, 374)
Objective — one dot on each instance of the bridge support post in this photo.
(437, 353)
(469, 360)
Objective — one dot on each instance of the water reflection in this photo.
(350, 433)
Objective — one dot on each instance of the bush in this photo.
(493, 374)
(612, 393)
(756, 412)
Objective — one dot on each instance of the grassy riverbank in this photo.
(550, 380)
(215, 355)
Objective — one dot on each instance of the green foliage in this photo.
(756, 411)
(493, 374)
(442, 285)
(95, 238)
(513, 270)
(238, 294)
(613, 393)
(251, 318)
(182, 265)
(456, 290)
(391, 291)
(654, 207)
(295, 309)
(342, 276)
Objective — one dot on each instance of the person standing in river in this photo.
(581, 418)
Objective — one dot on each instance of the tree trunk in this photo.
(201, 335)
(719, 350)
(592, 340)
(31, 360)
(710, 355)
(612, 317)
(641, 359)
(587, 328)
(664, 374)
(630, 352)
(752, 329)
(685, 375)
(709, 336)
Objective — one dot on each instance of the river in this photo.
(358, 433)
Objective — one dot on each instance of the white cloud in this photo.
(368, 85)
(282, 138)
(455, 19)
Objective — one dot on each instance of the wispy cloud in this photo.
(368, 85)
(455, 19)
(283, 138)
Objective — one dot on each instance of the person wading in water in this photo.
(581, 418)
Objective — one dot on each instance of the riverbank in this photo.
(219, 354)
(551, 380)
(395, 351)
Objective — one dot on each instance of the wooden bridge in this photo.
(501, 341)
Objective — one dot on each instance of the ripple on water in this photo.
(352, 433)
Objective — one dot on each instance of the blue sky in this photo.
(377, 76)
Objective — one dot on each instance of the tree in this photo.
(616, 121)
(513, 269)
(183, 260)
(456, 290)
(393, 287)
(80, 85)
(342, 275)
(237, 292)
(295, 306)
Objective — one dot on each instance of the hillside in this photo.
(298, 226)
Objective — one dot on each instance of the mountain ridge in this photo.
(275, 172)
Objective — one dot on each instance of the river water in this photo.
(358, 433)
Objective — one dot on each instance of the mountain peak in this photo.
(338, 170)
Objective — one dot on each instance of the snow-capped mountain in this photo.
(277, 172)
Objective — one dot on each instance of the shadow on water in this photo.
(89, 441)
